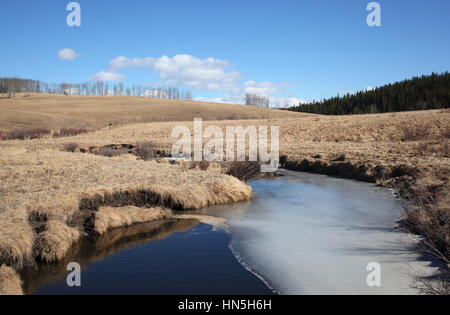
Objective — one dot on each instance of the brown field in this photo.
(30, 111)
(48, 193)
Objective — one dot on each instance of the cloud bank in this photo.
(208, 74)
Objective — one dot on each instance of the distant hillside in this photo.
(419, 93)
(36, 110)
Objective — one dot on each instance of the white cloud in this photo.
(281, 102)
(185, 70)
(291, 101)
(124, 62)
(107, 77)
(67, 54)
(209, 74)
(264, 88)
(210, 99)
(274, 91)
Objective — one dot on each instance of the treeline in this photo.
(418, 93)
(10, 86)
(256, 100)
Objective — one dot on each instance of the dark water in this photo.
(301, 233)
(178, 257)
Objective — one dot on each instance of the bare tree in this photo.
(256, 100)
(121, 88)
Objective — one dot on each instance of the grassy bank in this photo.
(51, 195)
(50, 198)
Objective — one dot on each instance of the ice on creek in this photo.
(313, 234)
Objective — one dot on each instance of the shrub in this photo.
(16, 135)
(70, 147)
(69, 132)
(39, 133)
(202, 165)
(23, 134)
(244, 170)
(146, 150)
(445, 149)
(439, 286)
(423, 217)
(425, 148)
(110, 152)
(411, 133)
(446, 133)
(339, 158)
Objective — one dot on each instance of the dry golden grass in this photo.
(16, 241)
(109, 218)
(381, 140)
(46, 184)
(40, 182)
(55, 241)
(58, 111)
(408, 150)
(10, 283)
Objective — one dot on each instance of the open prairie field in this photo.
(54, 190)
(29, 111)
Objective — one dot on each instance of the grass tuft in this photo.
(109, 218)
(55, 241)
(10, 283)
(16, 242)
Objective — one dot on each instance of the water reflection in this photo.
(91, 249)
(174, 257)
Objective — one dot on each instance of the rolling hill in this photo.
(28, 111)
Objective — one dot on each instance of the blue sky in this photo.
(286, 49)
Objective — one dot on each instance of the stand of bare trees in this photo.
(10, 86)
(256, 100)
